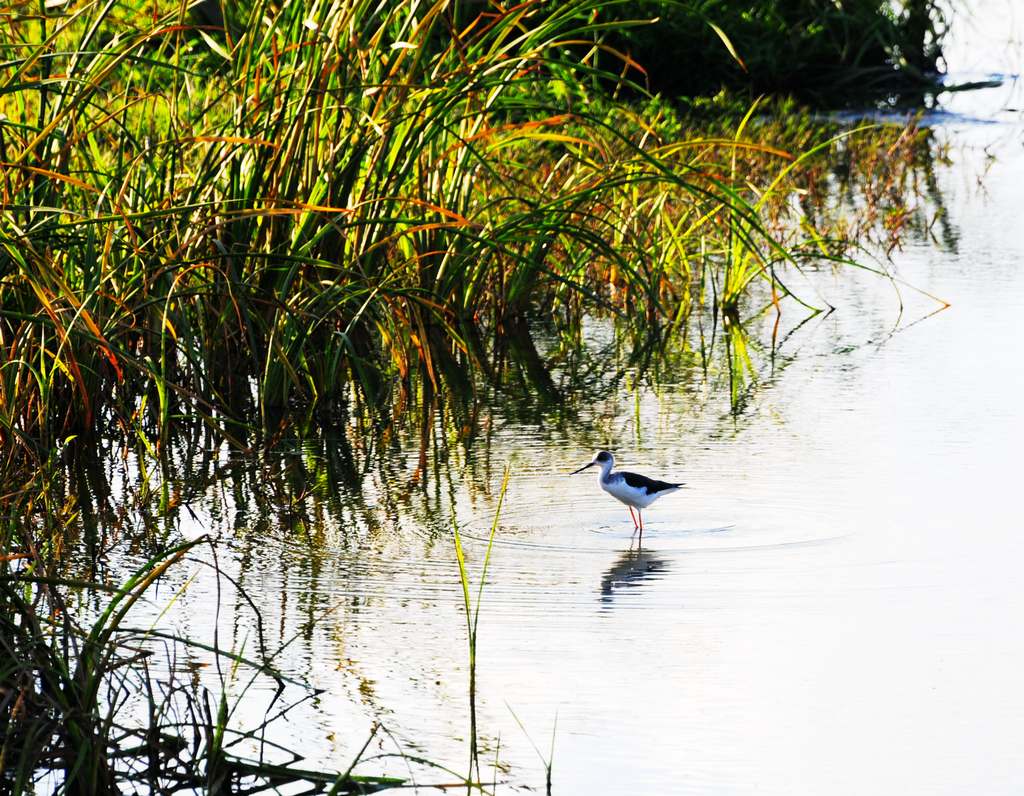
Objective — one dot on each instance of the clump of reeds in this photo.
(310, 206)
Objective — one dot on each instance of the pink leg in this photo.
(635, 526)
(641, 516)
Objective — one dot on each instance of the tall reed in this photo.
(472, 613)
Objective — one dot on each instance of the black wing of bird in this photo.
(651, 486)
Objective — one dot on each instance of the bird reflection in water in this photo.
(632, 568)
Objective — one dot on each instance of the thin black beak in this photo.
(584, 467)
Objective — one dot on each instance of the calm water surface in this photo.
(832, 605)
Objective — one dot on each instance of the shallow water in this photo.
(831, 605)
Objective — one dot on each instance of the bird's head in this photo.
(602, 459)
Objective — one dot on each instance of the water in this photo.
(831, 605)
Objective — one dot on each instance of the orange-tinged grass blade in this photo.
(53, 175)
(229, 139)
(728, 44)
(727, 143)
(71, 367)
(83, 313)
(626, 59)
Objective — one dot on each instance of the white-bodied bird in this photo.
(636, 491)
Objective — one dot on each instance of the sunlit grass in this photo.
(211, 225)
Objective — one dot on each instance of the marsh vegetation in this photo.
(228, 231)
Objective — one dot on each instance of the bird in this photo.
(636, 491)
